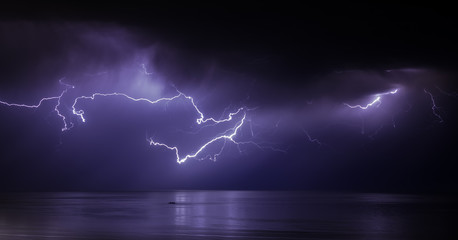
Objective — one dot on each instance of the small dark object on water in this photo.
(172, 202)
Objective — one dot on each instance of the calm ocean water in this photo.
(226, 215)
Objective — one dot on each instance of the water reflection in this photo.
(222, 214)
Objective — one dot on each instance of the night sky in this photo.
(291, 73)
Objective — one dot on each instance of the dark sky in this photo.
(291, 68)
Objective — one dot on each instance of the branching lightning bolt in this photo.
(377, 100)
(199, 121)
(56, 107)
(227, 135)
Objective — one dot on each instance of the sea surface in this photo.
(226, 215)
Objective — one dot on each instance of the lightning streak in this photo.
(80, 112)
(434, 107)
(29, 106)
(377, 100)
(450, 94)
(312, 140)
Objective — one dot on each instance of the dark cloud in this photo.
(292, 72)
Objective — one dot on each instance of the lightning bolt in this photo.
(199, 121)
(227, 135)
(434, 107)
(56, 107)
(377, 100)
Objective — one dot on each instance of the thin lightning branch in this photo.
(29, 106)
(80, 113)
(313, 140)
(56, 108)
(453, 94)
(66, 84)
(145, 71)
(434, 107)
(262, 147)
(202, 119)
(251, 128)
(377, 100)
(214, 122)
(216, 155)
